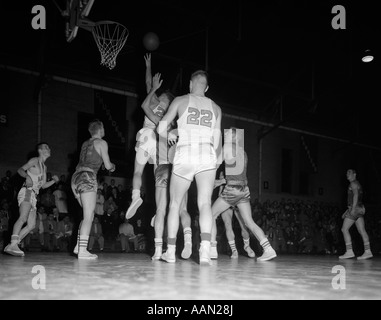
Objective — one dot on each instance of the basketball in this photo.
(151, 41)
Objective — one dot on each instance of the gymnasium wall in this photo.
(60, 105)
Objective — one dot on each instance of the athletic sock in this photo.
(187, 234)
(83, 241)
(232, 245)
(15, 239)
(158, 242)
(135, 194)
(265, 244)
(348, 246)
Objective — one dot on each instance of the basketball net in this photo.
(110, 38)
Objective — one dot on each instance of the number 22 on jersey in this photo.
(197, 117)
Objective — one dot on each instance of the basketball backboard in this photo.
(76, 11)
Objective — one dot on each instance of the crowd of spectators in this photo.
(59, 215)
(306, 227)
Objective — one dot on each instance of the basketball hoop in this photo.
(110, 38)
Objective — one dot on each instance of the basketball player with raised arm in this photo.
(162, 170)
(146, 146)
(34, 172)
(355, 215)
(199, 129)
(236, 191)
(84, 184)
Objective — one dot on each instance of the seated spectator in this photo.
(42, 217)
(96, 235)
(290, 240)
(127, 236)
(65, 231)
(33, 234)
(140, 231)
(320, 241)
(56, 215)
(47, 200)
(305, 243)
(110, 220)
(123, 197)
(60, 200)
(99, 207)
(4, 222)
(109, 205)
(51, 235)
(279, 241)
(110, 188)
(270, 235)
(7, 187)
(45, 232)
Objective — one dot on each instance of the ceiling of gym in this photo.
(278, 60)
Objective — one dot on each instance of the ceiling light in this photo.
(368, 56)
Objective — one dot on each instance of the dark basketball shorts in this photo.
(235, 194)
(162, 175)
(359, 212)
(84, 181)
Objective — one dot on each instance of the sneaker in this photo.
(158, 254)
(205, 254)
(187, 251)
(213, 253)
(234, 255)
(14, 250)
(366, 255)
(75, 251)
(169, 256)
(87, 255)
(136, 203)
(347, 255)
(267, 255)
(250, 252)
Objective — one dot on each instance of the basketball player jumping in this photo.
(154, 108)
(34, 172)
